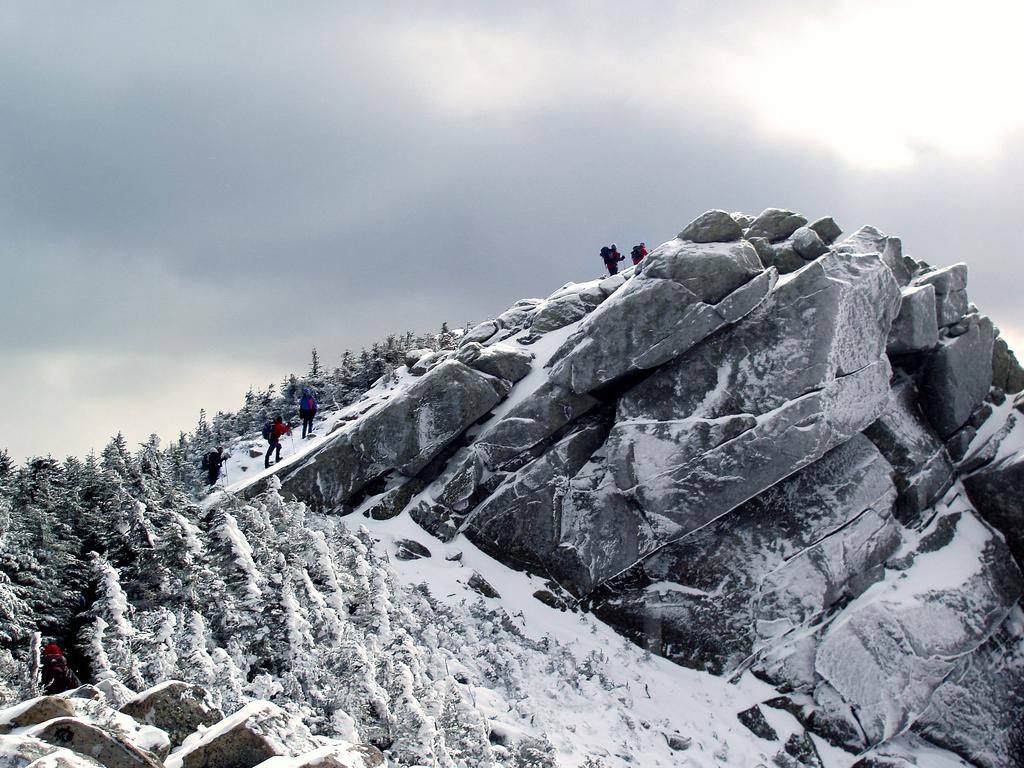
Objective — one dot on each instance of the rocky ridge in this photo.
(768, 450)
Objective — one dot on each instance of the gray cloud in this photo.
(223, 189)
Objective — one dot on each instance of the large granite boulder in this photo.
(950, 286)
(782, 255)
(403, 434)
(775, 224)
(520, 522)
(978, 712)
(502, 360)
(915, 328)
(923, 470)
(712, 227)
(868, 239)
(827, 229)
(686, 292)
(1007, 373)
(102, 745)
(567, 305)
(808, 244)
(257, 732)
(889, 651)
(34, 711)
(451, 495)
(777, 562)
(801, 374)
(176, 707)
(997, 492)
(27, 752)
(957, 376)
(530, 422)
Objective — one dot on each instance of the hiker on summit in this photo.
(57, 676)
(611, 258)
(212, 463)
(639, 253)
(272, 433)
(307, 410)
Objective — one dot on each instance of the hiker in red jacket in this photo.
(638, 253)
(277, 430)
(57, 677)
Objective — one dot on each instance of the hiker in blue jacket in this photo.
(307, 410)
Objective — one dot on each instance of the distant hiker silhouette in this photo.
(57, 677)
(611, 258)
(307, 410)
(272, 433)
(212, 463)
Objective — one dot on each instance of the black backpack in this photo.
(268, 430)
(205, 463)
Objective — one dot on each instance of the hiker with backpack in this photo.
(307, 410)
(611, 258)
(638, 253)
(212, 462)
(57, 676)
(272, 433)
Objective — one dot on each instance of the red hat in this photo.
(52, 650)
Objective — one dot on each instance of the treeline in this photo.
(133, 507)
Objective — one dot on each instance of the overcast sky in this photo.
(193, 195)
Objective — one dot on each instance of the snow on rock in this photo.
(520, 521)
(915, 328)
(892, 647)
(867, 240)
(775, 224)
(115, 692)
(403, 434)
(29, 715)
(175, 707)
(978, 711)
(530, 422)
(107, 747)
(777, 562)
(255, 733)
(801, 374)
(950, 286)
(34, 711)
(502, 360)
(712, 227)
(25, 752)
(922, 466)
(333, 756)
(686, 292)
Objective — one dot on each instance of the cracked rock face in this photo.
(735, 415)
(922, 466)
(777, 562)
(894, 646)
(957, 376)
(404, 434)
(978, 712)
(686, 292)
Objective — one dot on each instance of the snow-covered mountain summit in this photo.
(769, 450)
(757, 502)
